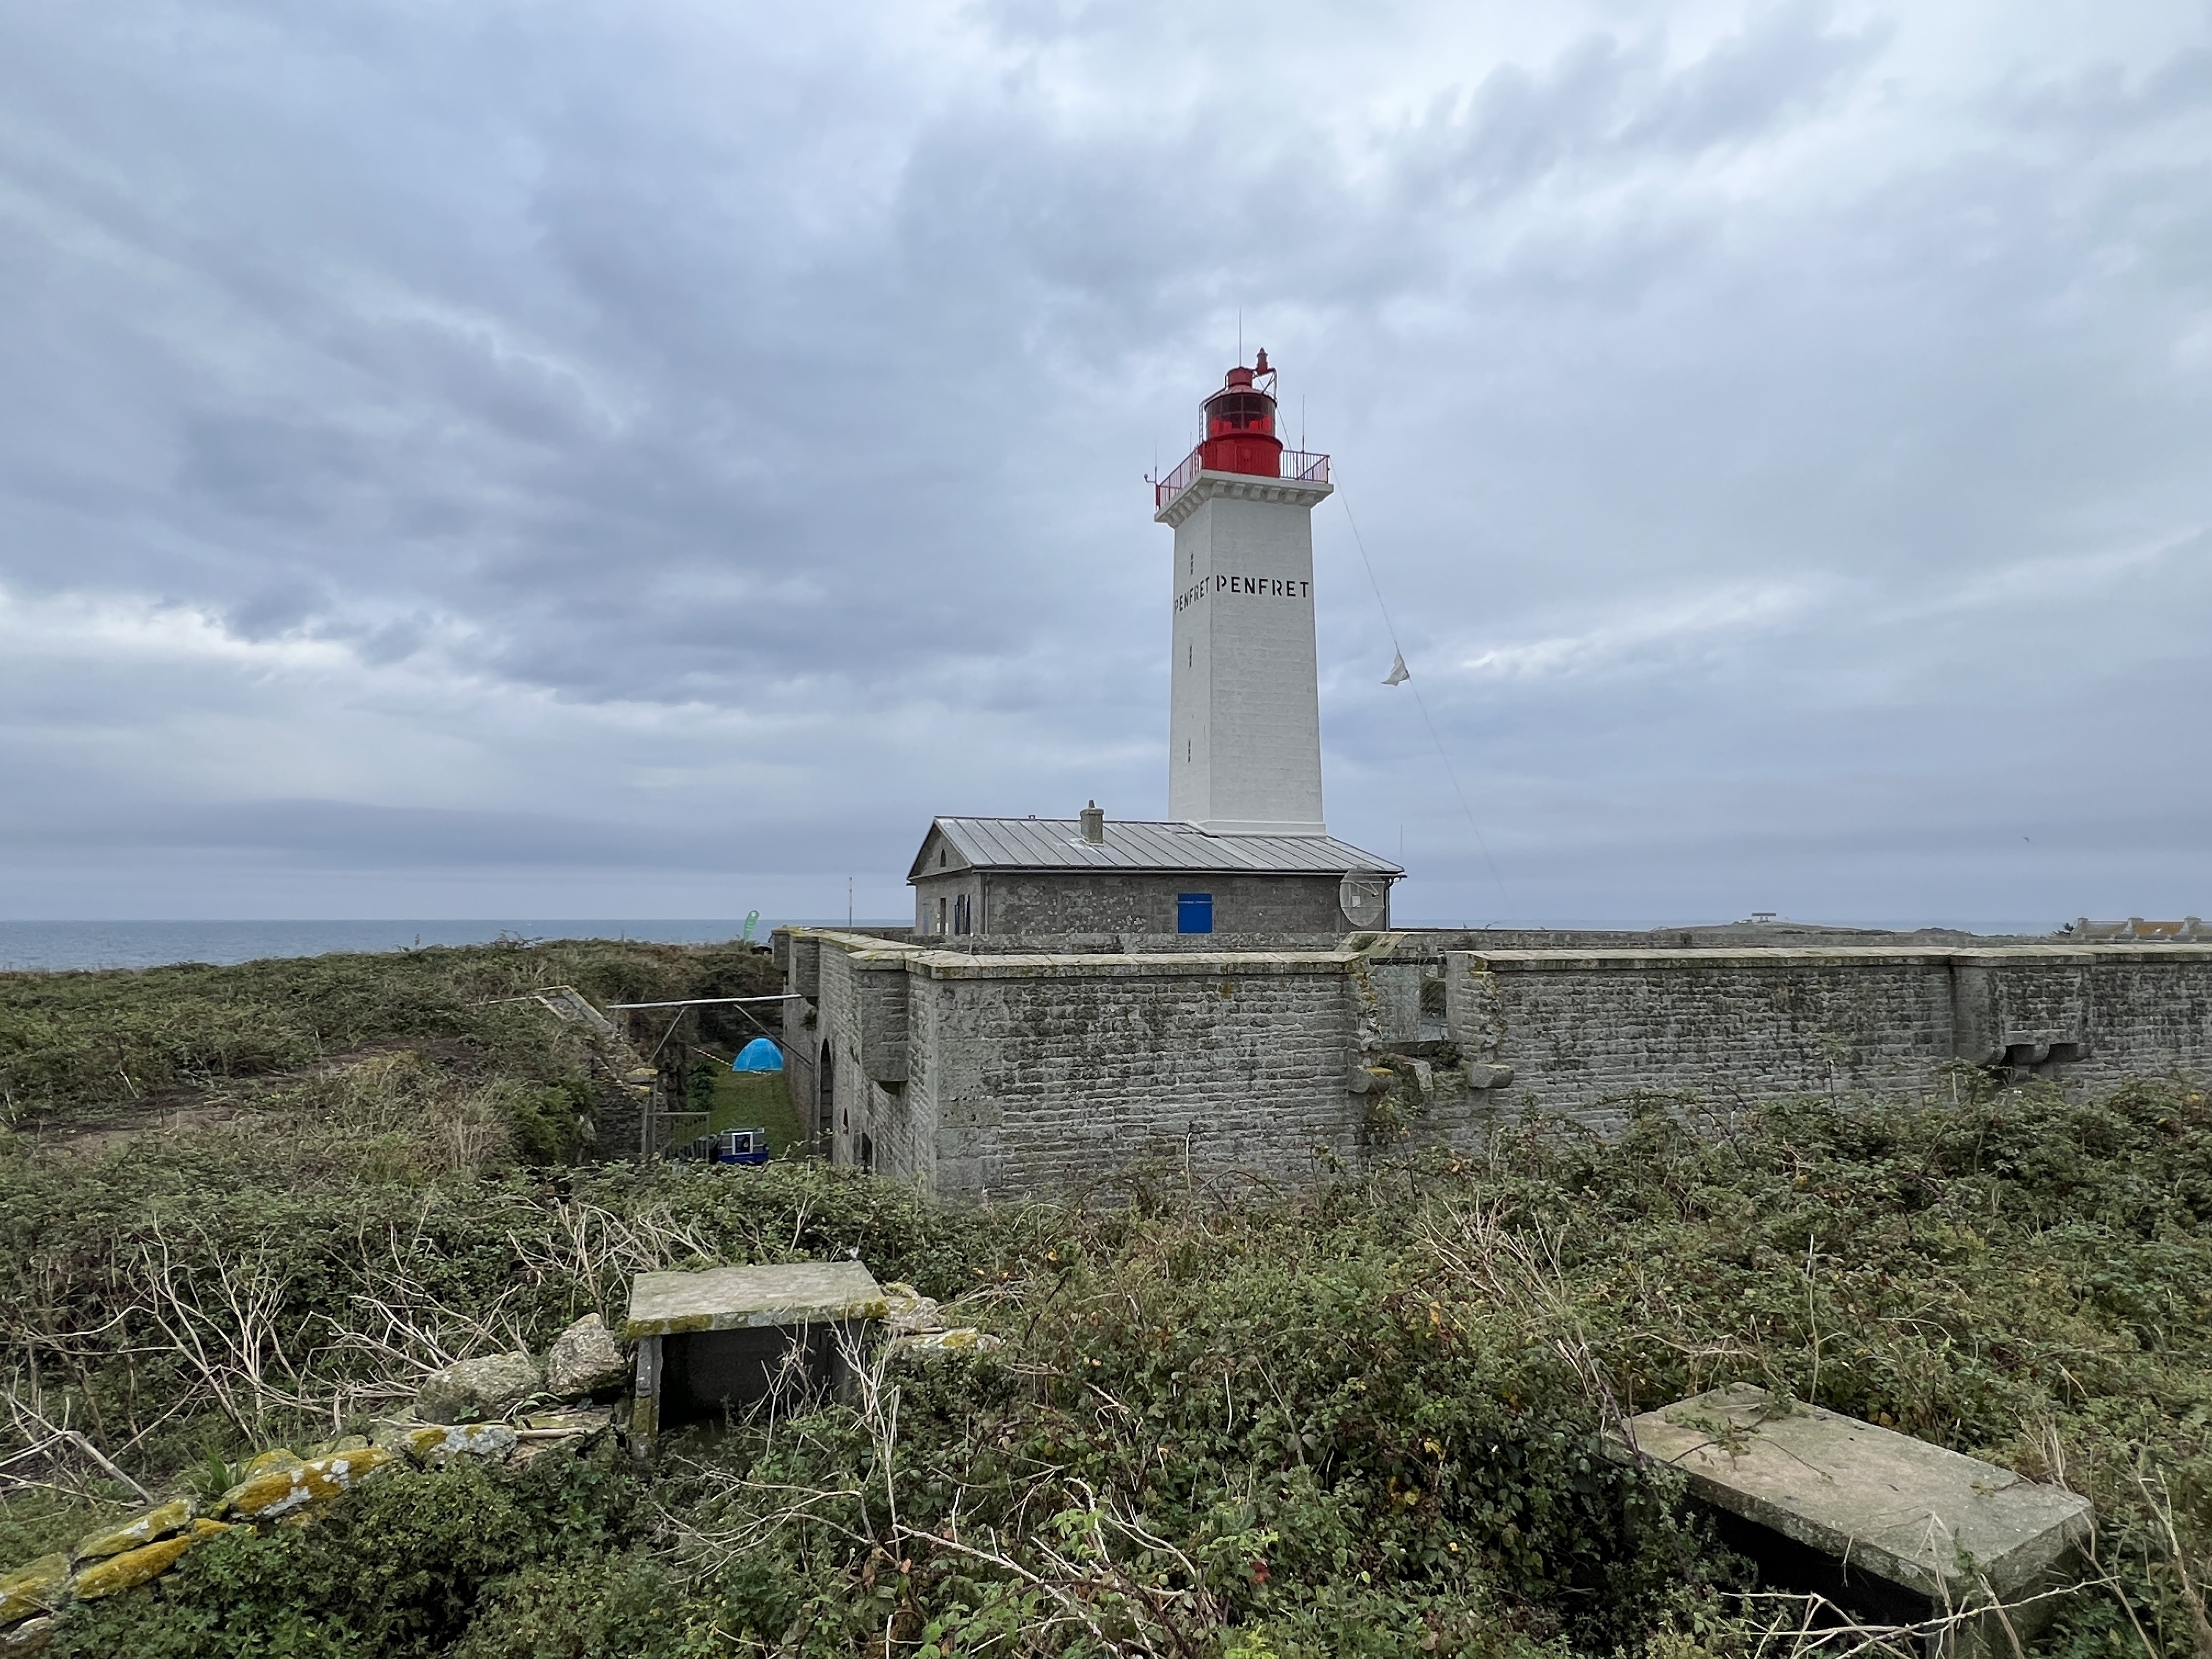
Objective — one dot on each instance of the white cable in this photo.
(1421, 703)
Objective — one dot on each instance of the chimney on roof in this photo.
(1094, 825)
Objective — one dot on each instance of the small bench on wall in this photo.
(712, 1342)
(1889, 1529)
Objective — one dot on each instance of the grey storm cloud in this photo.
(655, 457)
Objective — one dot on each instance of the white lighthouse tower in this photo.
(1245, 726)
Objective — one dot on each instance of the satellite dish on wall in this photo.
(1364, 899)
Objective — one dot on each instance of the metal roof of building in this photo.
(1058, 844)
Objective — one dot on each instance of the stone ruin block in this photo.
(1890, 1528)
(729, 1338)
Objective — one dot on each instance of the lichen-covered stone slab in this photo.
(476, 1390)
(147, 1527)
(566, 1423)
(131, 1569)
(562, 1431)
(735, 1298)
(283, 1492)
(35, 1587)
(961, 1339)
(908, 1310)
(1931, 1520)
(440, 1443)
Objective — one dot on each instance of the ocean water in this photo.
(57, 946)
(65, 944)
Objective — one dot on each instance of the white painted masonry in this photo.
(1244, 754)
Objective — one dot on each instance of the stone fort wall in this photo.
(1007, 1073)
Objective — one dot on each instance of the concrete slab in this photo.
(739, 1298)
(1930, 1521)
(731, 1336)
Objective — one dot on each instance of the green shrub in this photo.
(1363, 1419)
(619, 1606)
(400, 1568)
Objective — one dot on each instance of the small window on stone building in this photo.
(940, 916)
(963, 916)
(1194, 913)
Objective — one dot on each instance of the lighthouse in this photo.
(1244, 723)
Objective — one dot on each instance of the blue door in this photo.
(1194, 913)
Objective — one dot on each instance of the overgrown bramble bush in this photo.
(78, 1047)
(1365, 1419)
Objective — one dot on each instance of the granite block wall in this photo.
(1581, 1034)
(1010, 1074)
(1044, 1080)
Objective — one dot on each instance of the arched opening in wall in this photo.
(867, 1154)
(825, 1107)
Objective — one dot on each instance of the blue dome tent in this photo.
(758, 1055)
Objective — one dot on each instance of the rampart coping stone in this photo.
(1698, 957)
(1949, 1530)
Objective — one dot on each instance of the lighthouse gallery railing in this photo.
(1296, 463)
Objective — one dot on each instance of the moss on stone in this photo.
(131, 1569)
(147, 1526)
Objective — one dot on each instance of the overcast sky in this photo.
(559, 461)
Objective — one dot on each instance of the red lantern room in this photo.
(1240, 437)
(1240, 423)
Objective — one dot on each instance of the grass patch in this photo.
(759, 1100)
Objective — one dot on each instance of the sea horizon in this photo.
(65, 947)
(72, 946)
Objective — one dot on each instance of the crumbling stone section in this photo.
(277, 1487)
(271, 1492)
(162, 1521)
